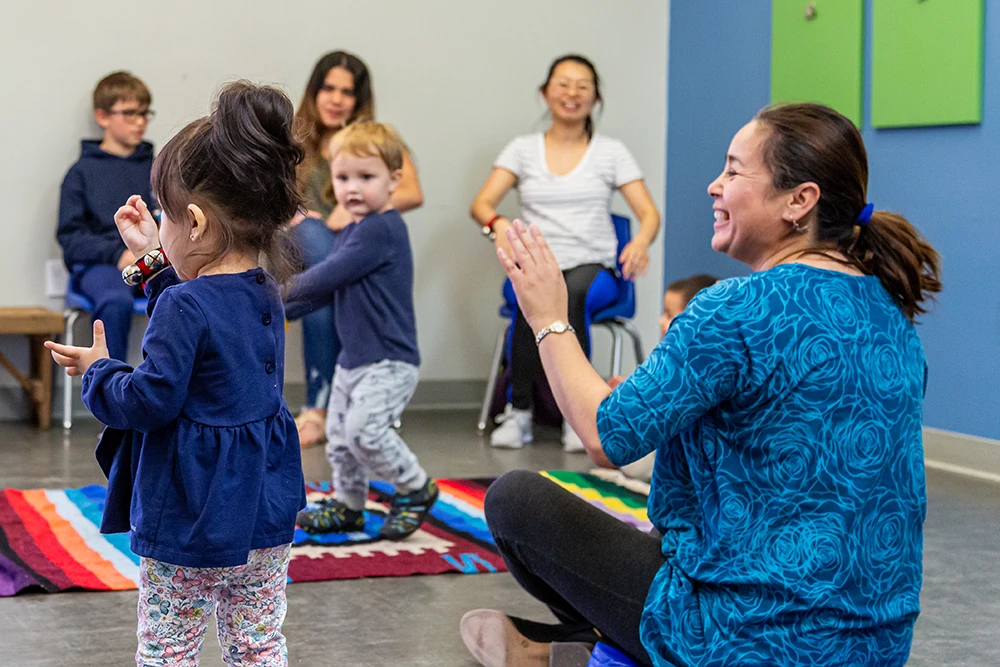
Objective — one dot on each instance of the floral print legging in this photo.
(249, 602)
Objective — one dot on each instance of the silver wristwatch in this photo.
(556, 327)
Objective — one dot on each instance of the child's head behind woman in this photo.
(679, 293)
(226, 185)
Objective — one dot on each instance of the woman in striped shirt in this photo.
(565, 178)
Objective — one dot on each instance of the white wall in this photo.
(458, 79)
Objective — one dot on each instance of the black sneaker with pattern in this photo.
(330, 516)
(408, 512)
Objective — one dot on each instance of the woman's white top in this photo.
(573, 211)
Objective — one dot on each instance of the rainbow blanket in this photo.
(50, 542)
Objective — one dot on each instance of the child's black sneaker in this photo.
(331, 516)
(408, 512)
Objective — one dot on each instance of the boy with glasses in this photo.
(108, 172)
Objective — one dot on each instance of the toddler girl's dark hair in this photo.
(237, 164)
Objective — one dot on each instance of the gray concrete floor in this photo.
(414, 621)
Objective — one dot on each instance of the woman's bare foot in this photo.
(311, 424)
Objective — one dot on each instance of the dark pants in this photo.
(113, 303)
(320, 343)
(525, 364)
(588, 567)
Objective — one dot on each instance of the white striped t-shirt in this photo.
(573, 211)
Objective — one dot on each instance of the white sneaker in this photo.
(514, 431)
(570, 440)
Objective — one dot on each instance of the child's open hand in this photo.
(77, 360)
(137, 227)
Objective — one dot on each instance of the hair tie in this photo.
(866, 214)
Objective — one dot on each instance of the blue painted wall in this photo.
(946, 180)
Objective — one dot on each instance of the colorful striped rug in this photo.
(49, 539)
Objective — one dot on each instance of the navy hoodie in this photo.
(94, 188)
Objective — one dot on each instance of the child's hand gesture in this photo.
(77, 360)
(137, 227)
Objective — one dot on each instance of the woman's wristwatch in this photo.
(556, 327)
(143, 270)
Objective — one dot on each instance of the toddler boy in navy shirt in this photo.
(370, 278)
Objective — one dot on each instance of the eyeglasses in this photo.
(133, 115)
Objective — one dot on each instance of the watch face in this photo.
(558, 327)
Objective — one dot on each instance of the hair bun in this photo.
(244, 106)
(251, 138)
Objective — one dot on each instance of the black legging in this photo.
(525, 363)
(591, 569)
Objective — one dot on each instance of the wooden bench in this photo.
(39, 325)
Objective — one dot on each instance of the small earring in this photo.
(797, 227)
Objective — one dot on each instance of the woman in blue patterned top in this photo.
(785, 412)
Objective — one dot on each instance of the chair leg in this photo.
(491, 382)
(636, 340)
(70, 316)
(616, 349)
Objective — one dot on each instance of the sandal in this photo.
(311, 424)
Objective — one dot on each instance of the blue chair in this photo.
(616, 318)
(605, 655)
(76, 305)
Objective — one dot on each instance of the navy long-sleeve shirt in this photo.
(92, 191)
(369, 277)
(202, 453)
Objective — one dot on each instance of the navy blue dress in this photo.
(210, 453)
(785, 412)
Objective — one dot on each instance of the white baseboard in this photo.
(962, 454)
(430, 395)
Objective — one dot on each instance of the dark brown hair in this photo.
(120, 87)
(579, 60)
(688, 287)
(238, 164)
(309, 128)
(813, 143)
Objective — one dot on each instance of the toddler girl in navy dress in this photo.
(201, 452)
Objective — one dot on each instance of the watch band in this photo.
(145, 267)
(556, 327)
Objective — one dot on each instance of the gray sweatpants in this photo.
(360, 440)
